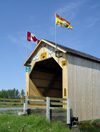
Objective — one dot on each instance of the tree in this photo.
(4, 93)
(17, 94)
(11, 94)
(1, 95)
(22, 92)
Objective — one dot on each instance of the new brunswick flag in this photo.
(62, 22)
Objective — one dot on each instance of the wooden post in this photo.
(22, 97)
(48, 108)
(68, 111)
(25, 104)
(65, 79)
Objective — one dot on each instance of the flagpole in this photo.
(26, 44)
(55, 36)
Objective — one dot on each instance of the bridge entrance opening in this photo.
(47, 77)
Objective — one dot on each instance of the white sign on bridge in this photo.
(36, 57)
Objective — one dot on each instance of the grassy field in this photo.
(33, 123)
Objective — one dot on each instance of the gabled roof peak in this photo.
(65, 50)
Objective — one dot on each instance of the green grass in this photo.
(96, 121)
(92, 121)
(10, 105)
(32, 123)
(87, 121)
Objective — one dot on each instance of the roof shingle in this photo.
(76, 53)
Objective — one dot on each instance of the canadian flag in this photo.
(31, 37)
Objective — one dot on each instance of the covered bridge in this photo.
(66, 74)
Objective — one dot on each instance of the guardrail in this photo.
(48, 102)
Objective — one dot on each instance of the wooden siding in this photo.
(79, 77)
(33, 91)
(41, 81)
(27, 83)
(84, 87)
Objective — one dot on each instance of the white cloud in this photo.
(69, 11)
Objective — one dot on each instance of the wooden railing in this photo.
(42, 101)
(47, 101)
(11, 101)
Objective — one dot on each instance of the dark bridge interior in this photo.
(47, 77)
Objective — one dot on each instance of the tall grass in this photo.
(31, 123)
(96, 121)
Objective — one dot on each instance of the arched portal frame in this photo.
(45, 78)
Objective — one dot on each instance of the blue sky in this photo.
(38, 17)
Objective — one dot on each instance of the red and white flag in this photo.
(31, 37)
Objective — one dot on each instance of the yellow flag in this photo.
(62, 22)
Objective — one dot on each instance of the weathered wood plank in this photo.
(33, 97)
(10, 103)
(58, 103)
(50, 84)
(58, 99)
(83, 87)
(34, 89)
(37, 102)
(11, 99)
(44, 98)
